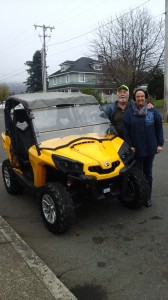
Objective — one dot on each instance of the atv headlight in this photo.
(67, 165)
(125, 153)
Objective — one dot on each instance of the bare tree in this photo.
(131, 46)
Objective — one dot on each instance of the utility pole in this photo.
(44, 67)
(166, 65)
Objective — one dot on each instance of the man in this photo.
(115, 111)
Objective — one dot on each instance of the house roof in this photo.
(67, 62)
(83, 64)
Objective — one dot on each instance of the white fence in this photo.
(109, 98)
(2, 106)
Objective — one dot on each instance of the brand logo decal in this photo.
(106, 164)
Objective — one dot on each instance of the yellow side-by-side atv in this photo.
(62, 147)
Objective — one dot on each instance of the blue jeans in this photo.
(145, 164)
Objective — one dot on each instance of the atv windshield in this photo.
(60, 121)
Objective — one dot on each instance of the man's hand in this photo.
(150, 105)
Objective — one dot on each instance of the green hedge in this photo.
(158, 103)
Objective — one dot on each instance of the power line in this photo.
(12, 76)
(67, 49)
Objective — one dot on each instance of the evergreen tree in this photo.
(93, 92)
(156, 83)
(34, 81)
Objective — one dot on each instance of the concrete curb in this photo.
(38, 267)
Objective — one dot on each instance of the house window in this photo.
(82, 77)
(97, 67)
(62, 68)
(67, 78)
(55, 80)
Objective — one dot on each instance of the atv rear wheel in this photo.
(11, 183)
(56, 207)
(136, 189)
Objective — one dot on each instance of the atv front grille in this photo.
(100, 170)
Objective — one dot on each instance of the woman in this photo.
(143, 131)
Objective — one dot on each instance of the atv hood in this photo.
(89, 149)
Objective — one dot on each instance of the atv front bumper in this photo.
(99, 189)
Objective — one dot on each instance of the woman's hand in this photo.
(133, 149)
(159, 149)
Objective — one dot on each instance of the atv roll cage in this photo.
(53, 121)
(33, 119)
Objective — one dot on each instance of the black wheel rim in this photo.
(7, 177)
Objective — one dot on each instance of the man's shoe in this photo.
(148, 203)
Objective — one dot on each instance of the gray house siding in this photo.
(72, 78)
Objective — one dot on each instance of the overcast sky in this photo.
(73, 21)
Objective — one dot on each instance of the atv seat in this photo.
(24, 135)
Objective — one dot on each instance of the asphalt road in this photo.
(110, 253)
